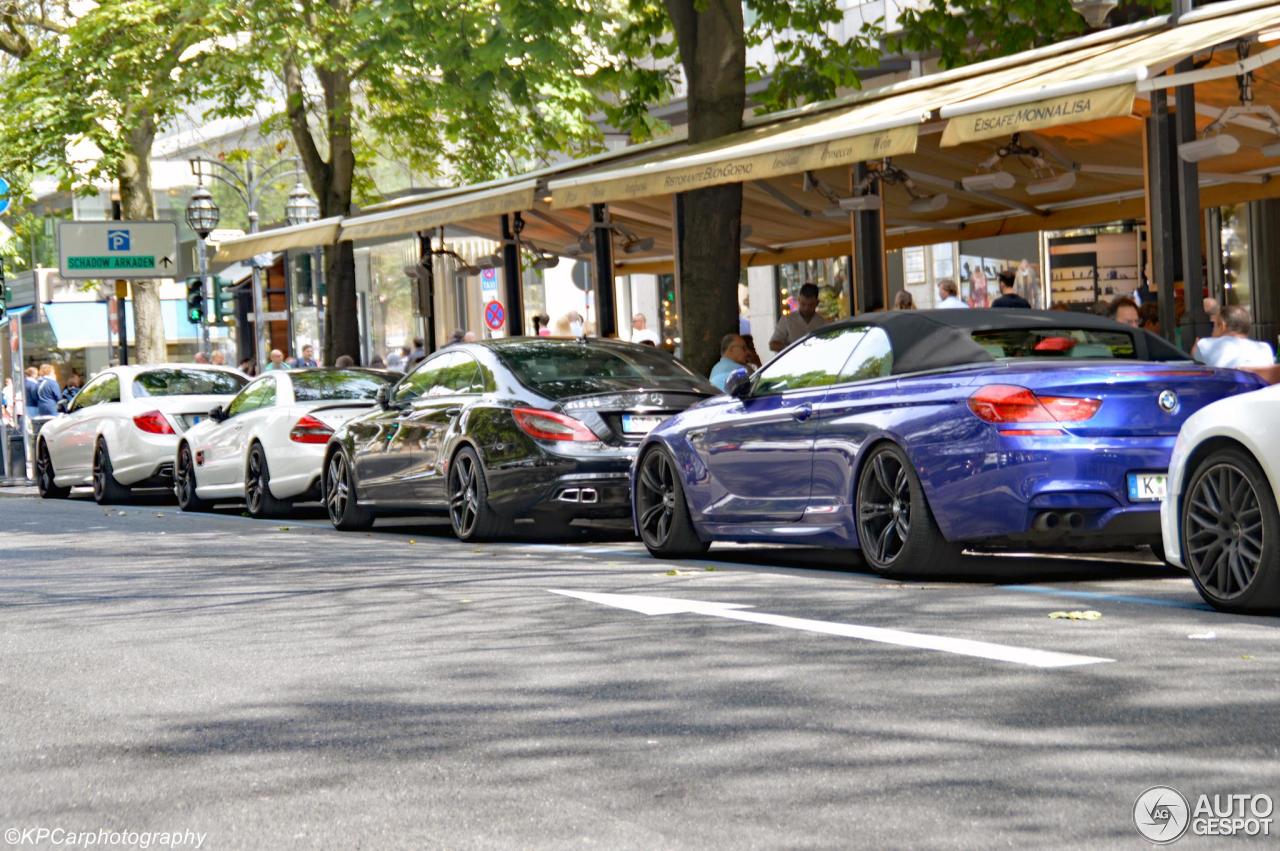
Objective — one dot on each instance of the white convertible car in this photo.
(121, 429)
(267, 446)
(1219, 516)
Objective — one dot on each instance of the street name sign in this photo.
(115, 249)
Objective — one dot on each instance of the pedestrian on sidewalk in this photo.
(48, 392)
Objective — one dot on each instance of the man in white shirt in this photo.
(1230, 346)
(799, 322)
(949, 295)
(640, 332)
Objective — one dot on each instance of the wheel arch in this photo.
(1205, 448)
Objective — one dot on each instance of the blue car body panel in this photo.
(784, 468)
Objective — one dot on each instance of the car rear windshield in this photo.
(186, 382)
(561, 370)
(336, 384)
(1055, 343)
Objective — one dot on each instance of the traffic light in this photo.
(224, 301)
(195, 301)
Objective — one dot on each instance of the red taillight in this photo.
(310, 430)
(153, 422)
(1006, 403)
(547, 425)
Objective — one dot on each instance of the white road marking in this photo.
(960, 646)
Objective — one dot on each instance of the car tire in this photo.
(106, 490)
(338, 487)
(46, 483)
(470, 514)
(897, 533)
(184, 482)
(1230, 534)
(257, 487)
(662, 512)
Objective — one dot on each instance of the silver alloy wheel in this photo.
(100, 472)
(254, 482)
(338, 488)
(1224, 531)
(44, 470)
(184, 478)
(656, 498)
(884, 507)
(464, 502)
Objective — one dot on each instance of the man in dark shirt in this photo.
(1008, 293)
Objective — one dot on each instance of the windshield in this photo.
(186, 382)
(1055, 343)
(336, 384)
(564, 369)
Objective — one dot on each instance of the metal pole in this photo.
(202, 257)
(511, 276)
(602, 240)
(122, 293)
(317, 282)
(1195, 322)
(1162, 208)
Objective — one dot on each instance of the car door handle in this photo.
(800, 413)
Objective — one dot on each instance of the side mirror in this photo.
(63, 407)
(218, 414)
(384, 397)
(738, 384)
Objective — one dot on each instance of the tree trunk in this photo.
(712, 46)
(138, 204)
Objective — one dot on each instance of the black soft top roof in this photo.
(935, 339)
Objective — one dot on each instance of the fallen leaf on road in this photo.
(1076, 616)
(412, 541)
(1203, 636)
(282, 528)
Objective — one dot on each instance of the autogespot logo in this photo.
(1161, 814)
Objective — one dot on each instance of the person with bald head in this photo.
(277, 360)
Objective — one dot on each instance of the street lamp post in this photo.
(249, 186)
(301, 209)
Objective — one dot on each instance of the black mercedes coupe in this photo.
(523, 434)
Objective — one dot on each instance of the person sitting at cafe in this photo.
(1230, 346)
(733, 357)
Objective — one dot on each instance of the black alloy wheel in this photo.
(1229, 534)
(340, 501)
(46, 482)
(896, 529)
(106, 490)
(470, 514)
(184, 483)
(662, 513)
(257, 487)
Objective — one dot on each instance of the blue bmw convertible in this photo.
(912, 435)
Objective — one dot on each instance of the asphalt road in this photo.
(276, 684)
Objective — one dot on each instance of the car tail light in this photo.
(1006, 403)
(310, 430)
(153, 422)
(548, 425)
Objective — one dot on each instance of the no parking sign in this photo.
(495, 315)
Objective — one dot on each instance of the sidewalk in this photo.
(17, 487)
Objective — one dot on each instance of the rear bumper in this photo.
(563, 487)
(139, 459)
(1053, 492)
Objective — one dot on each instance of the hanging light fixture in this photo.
(1049, 185)
(301, 208)
(1094, 12)
(202, 213)
(987, 181)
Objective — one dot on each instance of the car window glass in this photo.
(185, 382)
(460, 375)
(257, 395)
(815, 362)
(320, 385)
(563, 368)
(88, 396)
(110, 391)
(1053, 343)
(420, 381)
(873, 358)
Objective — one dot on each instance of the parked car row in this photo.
(906, 436)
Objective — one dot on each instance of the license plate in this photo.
(633, 424)
(1147, 487)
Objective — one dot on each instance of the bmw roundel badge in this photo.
(1168, 401)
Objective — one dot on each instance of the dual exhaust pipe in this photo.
(585, 496)
(1058, 522)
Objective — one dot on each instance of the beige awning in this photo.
(310, 235)
(1100, 86)
(458, 206)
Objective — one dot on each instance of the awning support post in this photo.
(1195, 321)
(511, 276)
(867, 283)
(1162, 208)
(425, 290)
(602, 241)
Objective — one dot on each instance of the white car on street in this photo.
(1219, 517)
(266, 446)
(120, 430)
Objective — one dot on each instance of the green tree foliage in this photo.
(959, 32)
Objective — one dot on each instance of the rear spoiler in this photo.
(350, 403)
